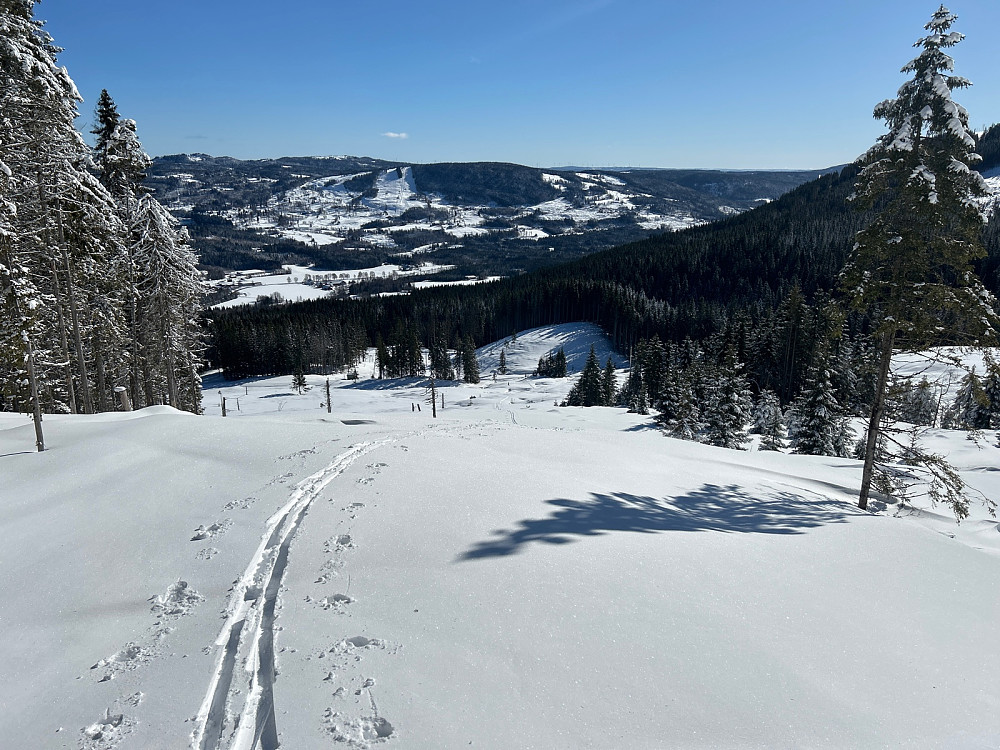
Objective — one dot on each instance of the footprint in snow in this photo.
(241, 504)
(337, 602)
(207, 532)
(107, 731)
(178, 600)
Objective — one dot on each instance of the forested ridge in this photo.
(733, 276)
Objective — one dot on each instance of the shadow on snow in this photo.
(728, 509)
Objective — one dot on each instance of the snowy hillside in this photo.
(326, 211)
(508, 575)
(489, 218)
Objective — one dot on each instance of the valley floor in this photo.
(508, 575)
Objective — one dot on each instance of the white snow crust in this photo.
(510, 574)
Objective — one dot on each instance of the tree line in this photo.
(99, 290)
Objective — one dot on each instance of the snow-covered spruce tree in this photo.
(609, 387)
(169, 293)
(65, 228)
(970, 409)
(915, 403)
(911, 270)
(18, 298)
(299, 379)
(685, 421)
(106, 120)
(502, 368)
(157, 275)
(768, 421)
(441, 367)
(819, 427)
(587, 389)
(726, 412)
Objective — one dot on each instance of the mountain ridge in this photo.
(480, 217)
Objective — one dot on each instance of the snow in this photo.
(294, 284)
(326, 211)
(511, 574)
(461, 282)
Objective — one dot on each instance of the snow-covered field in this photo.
(507, 575)
(327, 211)
(299, 283)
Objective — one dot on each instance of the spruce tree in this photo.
(608, 385)
(686, 421)
(299, 379)
(502, 368)
(106, 120)
(768, 421)
(818, 427)
(470, 365)
(587, 390)
(970, 409)
(727, 405)
(911, 270)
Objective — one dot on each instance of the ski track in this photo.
(247, 637)
(509, 404)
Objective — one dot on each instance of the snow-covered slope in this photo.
(326, 211)
(510, 574)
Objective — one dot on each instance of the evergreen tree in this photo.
(685, 422)
(768, 421)
(470, 365)
(727, 405)
(502, 369)
(913, 403)
(106, 120)
(608, 385)
(970, 409)
(587, 390)
(818, 427)
(441, 367)
(60, 224)
(382, 362)
(169, 293)
(911, 269)
(552, 365)
(299, 379)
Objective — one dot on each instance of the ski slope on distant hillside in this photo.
(511, 574)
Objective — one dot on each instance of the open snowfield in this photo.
(290, 285)
(508, 575)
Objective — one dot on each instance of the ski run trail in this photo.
(246, 666)
(511, 574)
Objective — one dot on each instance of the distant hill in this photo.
(481, 217)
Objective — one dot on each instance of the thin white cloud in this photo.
(400, 136)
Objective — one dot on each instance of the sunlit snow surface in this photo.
(327, 210)
(508, 575)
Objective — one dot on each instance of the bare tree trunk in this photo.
(171, 381)
(88, 402)
(100, 371)
(29, 356)
(875, 421)
(64, 339)
(29, 350)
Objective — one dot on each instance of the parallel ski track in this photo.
(248, 635)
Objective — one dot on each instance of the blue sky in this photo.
(712, 84)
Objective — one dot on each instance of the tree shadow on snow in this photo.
(728, 509)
